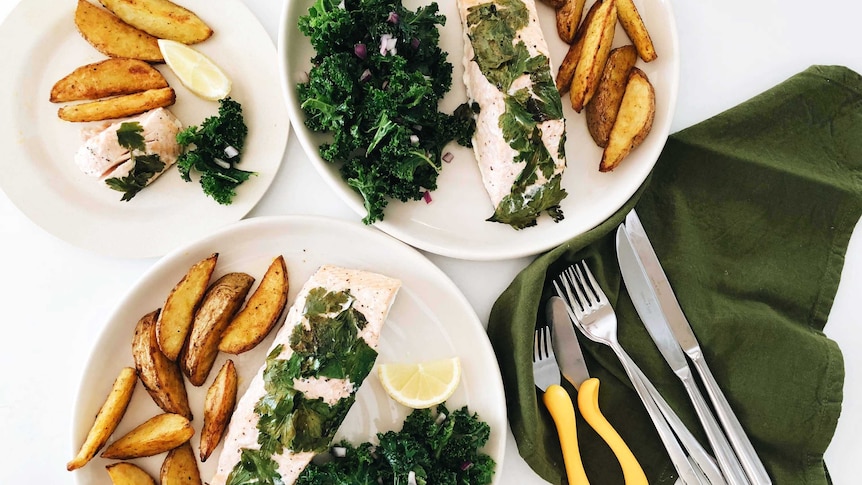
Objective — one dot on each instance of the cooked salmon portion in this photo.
(103, 156)
(519, 141)
(291, 385)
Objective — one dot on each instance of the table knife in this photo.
(571, 361)
(684, 335)
(644, 299)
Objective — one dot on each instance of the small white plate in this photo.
(453, 224)
(39, 174)
(430, 319)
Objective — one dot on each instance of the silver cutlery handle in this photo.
(697, 452)
(727, 461)
(681, 463)
(735, 433)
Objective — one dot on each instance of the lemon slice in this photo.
(420, 385)
(195, 70)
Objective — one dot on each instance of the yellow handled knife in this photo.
(571, 360)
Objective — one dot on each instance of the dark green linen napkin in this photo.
(750, 213)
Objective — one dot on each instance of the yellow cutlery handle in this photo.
(560, 405)
(588, 403)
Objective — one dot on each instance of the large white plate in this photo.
(38, 171)
(453, 224)
(430, 319)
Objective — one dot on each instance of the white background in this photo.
(55, 298)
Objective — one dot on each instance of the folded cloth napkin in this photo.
(750, 213)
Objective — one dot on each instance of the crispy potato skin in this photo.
(598, 39)
(110, 77)
(634, 27)
(108, 418)
(158, 434)
(180, 467)
(219, 305)
(263, 310)
(601, 111)
(218, 408)
(113, 37)
(633, 122)
(118, 106)
(566, 71)
(555, 3)
(162, 19)
(161, 376)
(124, 473)
(568, 17)
(176, 318)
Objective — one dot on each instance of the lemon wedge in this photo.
(423, 384)
(195, 70)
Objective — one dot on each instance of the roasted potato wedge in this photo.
(634, 120)
(566, 71)
(555, 3)
(162, 19)
(158, 434)
(263, 310)
(633, 25)
(598, 39)
(568, 17)
(180, 467)
(219, 305)
(182, 302)
(601, 111)
(218, 408)
(124, 473)
(118, 106)
(113, 37)
(110, 77)
(161, 376)
(108, 418)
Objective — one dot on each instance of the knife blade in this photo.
(570, 358)
(681, 329)
(645, 302)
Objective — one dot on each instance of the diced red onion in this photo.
(360, 50)
(414, 140)
(447, 157)
(339, 451)
(426, 196)
(231, 151)
(466, 465)
(440, 418)
(414, 43)
(411, 478)
(393, 18)
(365, 76)
(221, 163)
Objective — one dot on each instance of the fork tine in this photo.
(591, 282)
(536, 352)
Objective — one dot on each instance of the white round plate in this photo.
(430, 319)
(39, 174)
(453, 224)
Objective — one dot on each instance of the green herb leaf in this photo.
(146, 167)
(129, 136)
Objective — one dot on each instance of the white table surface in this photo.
(57, 297)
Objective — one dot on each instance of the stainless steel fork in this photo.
(594, 316)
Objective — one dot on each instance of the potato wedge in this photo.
(601, 111)
(633, 25)
(158, 434)
(161, 376)
(566, 71)
(633, 122)
(113, 37)
(108, 418)
(555, 3)
(218, 408)
(180, 467)
(107, 78)
(263, 310)
(118, 106)
(568, 17)
(124, 473)
(598, 38)
(219, 305)
(162, 19)
(182, 302)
